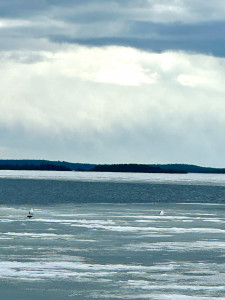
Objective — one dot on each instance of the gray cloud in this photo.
(185, 11)
(151, 25)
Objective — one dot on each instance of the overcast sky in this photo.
(122, 81)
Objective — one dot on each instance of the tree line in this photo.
(41, 167)
(134, 168)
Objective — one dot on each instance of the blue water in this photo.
(48, 192)
(105, 239)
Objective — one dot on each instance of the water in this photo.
(190, 178)
(90, 240)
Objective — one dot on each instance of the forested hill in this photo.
(30, 164)
(191, 168)
(133, 168)
(47, 165)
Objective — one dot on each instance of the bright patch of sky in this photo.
(117, 81)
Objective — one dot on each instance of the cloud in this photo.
(112, 81)
(187, 25)
(184, 11)
(11, 23)
(112, 104)
(162, 11)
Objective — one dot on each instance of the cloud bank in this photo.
(112, 104)
(113, 81)
(188, 25)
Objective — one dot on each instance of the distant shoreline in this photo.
(47, 165)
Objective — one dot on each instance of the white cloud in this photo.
(10, 23)
(191, 80)
(129, 104)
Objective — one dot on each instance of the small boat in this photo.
(161, 213)
(30, 215)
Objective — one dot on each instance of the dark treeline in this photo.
(37, 162)
(45, 165)
(192, 168)
(134, 168)
(41, 167)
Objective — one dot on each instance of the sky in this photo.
(122, 81)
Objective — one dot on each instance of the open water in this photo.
(100, 236)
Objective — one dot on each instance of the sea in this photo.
(101, 236)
